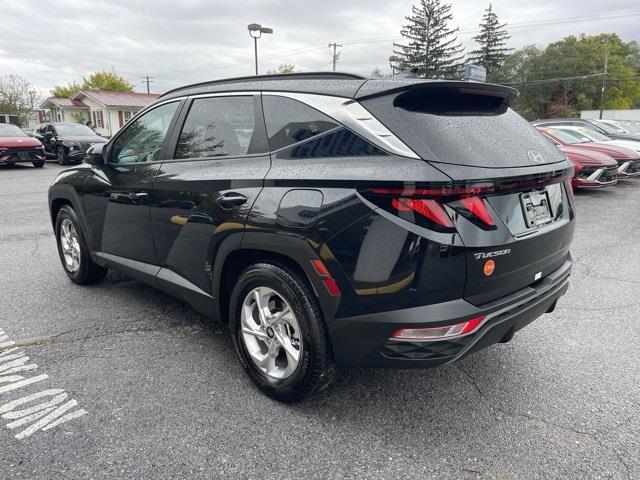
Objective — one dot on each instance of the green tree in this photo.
(492, 40)
(102, 80)
(107, 81)
(567, 75)
(65, 91)
(431, 45)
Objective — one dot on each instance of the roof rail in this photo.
(277, 76)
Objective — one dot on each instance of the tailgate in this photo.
(526, 246)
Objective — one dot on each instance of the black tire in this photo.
(38, 163)
(61, 156)
(88, 272)
(315, 370)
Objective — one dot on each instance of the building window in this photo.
(124, 116)
(98, 119)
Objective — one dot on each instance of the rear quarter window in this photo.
(290, 121)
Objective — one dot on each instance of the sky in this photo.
(186, 41)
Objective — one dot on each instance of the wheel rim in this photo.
(70, 245)
(270, 333)
(60, 156)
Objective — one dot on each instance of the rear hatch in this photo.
(509, 199)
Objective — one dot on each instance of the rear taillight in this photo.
(476, 210)
(433, 206)
(432, 210)
(438, 333)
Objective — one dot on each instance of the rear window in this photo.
(461, 127)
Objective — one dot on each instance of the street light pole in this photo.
(255, 31)
(255, 51)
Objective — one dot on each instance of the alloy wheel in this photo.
(270, 333)
(70, 244)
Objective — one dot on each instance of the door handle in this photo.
(231, 199)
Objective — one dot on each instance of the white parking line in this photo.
(43, 416)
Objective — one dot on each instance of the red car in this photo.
(16, 146)
(628, 160)
(593, 169)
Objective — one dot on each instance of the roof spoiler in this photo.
(377, 88)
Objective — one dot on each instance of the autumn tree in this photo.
(283, 68)
(17, 96)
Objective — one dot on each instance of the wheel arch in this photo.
(60, 195)
(292, 252)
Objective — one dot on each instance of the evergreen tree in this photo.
(431, 45)
(492, 41)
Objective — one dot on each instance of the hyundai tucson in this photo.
(331, 220)
(66, 141)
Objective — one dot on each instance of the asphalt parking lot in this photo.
(165, 397)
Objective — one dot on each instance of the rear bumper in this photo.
(364, 341)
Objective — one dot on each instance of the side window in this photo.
(290, 121)
(218, 127)
(142, 140)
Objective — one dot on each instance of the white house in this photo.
(105, 111)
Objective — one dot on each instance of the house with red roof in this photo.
(106, 112)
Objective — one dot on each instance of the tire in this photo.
(315, 369)
(84, 271)
(38, 164)
(61, 156)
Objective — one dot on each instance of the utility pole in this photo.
(147, 79)
(604, 82)
(335, 55)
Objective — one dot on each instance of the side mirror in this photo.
(94, 154)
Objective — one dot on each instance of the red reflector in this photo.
(477, 207)
(329, 283)
(439, 333)
(332, 287)
(430, 209)
(320, 267)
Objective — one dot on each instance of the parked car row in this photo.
(601, 150)
(64, 141)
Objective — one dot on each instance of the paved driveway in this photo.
(159, 394)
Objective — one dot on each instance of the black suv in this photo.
(66, 141)
(331, 220)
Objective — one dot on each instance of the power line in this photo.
(517, 25)
(309, 48)
(552, 80)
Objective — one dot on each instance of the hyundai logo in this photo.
(535, 156)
